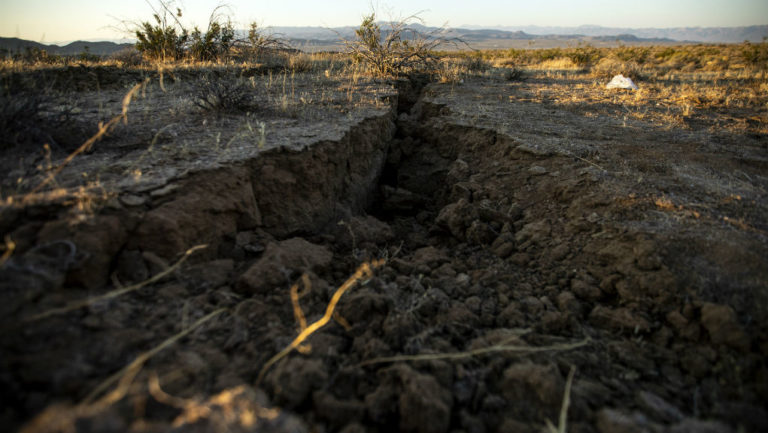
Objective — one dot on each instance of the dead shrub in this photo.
(397, 51)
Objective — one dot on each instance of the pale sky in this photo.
(53, 21)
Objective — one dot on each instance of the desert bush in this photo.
(34, 55)
(514, 74)
(260, 41)
(300, 63)
(584, 55)
(399, 50)
(29, 117)
(543, 55)
(475, 64)
(215, 43)
(607, 67)
(755, 54)
(127, 57)
(166, 38)
(558, 63)
(86, 56)
(223, 94)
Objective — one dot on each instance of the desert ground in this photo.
(499, 245)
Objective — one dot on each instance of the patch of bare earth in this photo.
(524, 236)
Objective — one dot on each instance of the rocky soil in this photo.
(523, 240)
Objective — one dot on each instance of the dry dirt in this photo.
(524, 239)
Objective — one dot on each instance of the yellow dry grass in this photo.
(364, 271)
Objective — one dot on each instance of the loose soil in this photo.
(524, 238)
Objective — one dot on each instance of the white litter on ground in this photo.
(621, 82)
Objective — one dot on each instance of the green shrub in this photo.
(214, 44)
(163, 40)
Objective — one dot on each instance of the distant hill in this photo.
(693, 34)
(16, 45)
(314, 38)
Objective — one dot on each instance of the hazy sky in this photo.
(66, 20)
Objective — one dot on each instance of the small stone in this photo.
(171, 187)
(585, 290)
(504, 250)
(567, 303)
(537, 170)
(559, 252)
(132, 200)
(723, 327)
(480, 233)
(677, 320)
(445, 270)
(282, 259)
(295, 379)
(429, 256)
(658, 408)
(520, 259)
(535, 389)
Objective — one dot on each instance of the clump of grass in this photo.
(29, 117)
(301, 63)
(223, 95)
(514, 74)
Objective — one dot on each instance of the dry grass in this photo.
(562, 424)
(364, 271)
(502, 347)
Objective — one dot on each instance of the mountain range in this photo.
(502, 36)
(694, 34)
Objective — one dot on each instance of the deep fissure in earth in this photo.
(484, 237)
